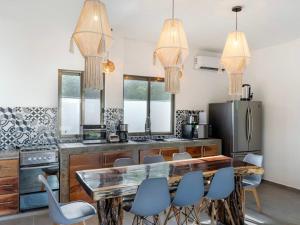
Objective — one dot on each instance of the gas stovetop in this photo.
(40, 154)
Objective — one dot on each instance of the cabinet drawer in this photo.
(9, 185)
(195, 152)
(110, 157)
(167, 153)
(211, 150)
(9, 204)
(9, 168)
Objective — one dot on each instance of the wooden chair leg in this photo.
(213, 213)
(83, 222)
(258, 205)
(167, 216)
(229, 212)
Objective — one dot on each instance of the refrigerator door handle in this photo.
(247, 124)
(251, 125)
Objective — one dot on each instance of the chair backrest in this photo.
(152, 197)
(222, 184)
(181, 156)
(123, 162)
(153, 159)
(55, 212)
(190, 189)
(256, 160)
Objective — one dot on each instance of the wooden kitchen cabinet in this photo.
(110, 157)
(195, 151)
(211, 150)
(167, 153)
(9, 187)
(82, 162)
(203, 151)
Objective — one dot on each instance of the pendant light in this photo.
(235, 57)
(108, 67)
(172, 49)
(93, 37)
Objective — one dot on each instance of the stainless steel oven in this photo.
(93, 134)
(34, 161)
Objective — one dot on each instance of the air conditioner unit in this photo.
(207, 63)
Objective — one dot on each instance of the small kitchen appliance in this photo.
(113, 138)
(35, 160)
(247, 95)
(94, 134)
(122, 132)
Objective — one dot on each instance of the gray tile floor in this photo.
(280, 207)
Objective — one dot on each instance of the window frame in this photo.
(149, 80)
(62, 72)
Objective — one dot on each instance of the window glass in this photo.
(135, 104)
(70, 105)
(160, 108)
(139, 102)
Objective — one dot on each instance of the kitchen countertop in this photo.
(9, 154)
(67, 149)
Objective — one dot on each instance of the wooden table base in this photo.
(110, 211)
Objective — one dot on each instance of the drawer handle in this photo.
(6, 203)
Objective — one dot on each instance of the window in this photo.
(76, 106)
(146, 96)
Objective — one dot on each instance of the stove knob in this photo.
(29, 159)
(40, 158)
(49, 157)
(34, 158)
(44, 158)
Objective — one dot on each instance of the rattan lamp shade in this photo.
(235, 58)
(93, 37)
(172, 50)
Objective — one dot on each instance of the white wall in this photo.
(33, 50)
(274, 75)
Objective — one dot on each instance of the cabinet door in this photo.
(9, 168)
(110, 157)
(9, 185)
(211, 150)
(195, 151)
(9, 204)
(167, 153)
(147, 152)
(81, 162)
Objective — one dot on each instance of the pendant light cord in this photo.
(236, 21)
(173, 9)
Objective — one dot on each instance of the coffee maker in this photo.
(122, 132)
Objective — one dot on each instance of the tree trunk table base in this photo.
(110, 211)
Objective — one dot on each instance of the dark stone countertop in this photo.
(9, 154)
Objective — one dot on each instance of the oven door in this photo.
(32, 193)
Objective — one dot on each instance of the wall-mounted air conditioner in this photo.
(207, 63)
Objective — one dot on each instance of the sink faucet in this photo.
(148, 126)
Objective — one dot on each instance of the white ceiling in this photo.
(207, 22)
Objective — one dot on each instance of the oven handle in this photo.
(38, 167)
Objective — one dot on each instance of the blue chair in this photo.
(70, 213)
(181, 156)
(153, 159)
(251, 182)
(123, 162)
(222, 185)
(151, 199)
(189, 193)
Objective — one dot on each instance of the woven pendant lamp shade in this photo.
(235, 58)
(93, 37)
(172, 50)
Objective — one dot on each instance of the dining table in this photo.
(110, 186)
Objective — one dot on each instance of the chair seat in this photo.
(248, 182)
(78, 210)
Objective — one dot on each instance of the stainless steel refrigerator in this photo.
(239, 125)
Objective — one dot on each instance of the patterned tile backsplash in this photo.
(21, 126)
(181, 118)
